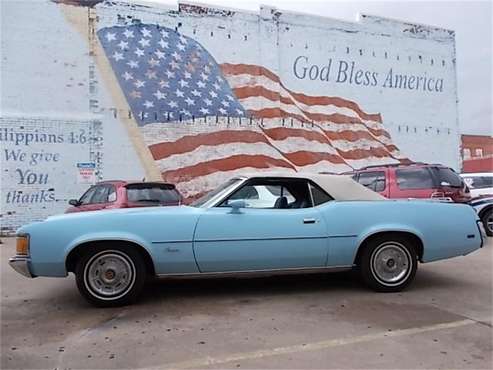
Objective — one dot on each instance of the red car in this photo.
(417, 180)
(123, 194)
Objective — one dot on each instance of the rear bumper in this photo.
(21, 264)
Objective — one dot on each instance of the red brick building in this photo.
(477, 153)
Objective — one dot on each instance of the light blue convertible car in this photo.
(264, 223)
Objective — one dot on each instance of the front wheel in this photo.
(110, 276)
(388, 263)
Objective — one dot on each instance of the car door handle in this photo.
(309, 220)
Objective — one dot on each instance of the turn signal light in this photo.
(22, 245)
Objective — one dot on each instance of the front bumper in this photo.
(21, 264)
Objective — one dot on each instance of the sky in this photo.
(471, 20)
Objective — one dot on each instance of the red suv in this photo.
(123, 194)
(417, 180)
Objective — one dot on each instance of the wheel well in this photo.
(484, 210)
(79, 251)
(413, 238)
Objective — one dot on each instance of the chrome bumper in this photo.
(21, 265)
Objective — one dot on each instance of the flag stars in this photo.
(151, 74)
(176, 56)
(163, 44)
(173, 104)
(148, 104)
(213, 94)
(187, 75)
(159, 95)
(201, 84)
(195, 93)
(223, 111)
(174, 65)
(110, 36)
(204, 76)
(225, 103)
(230, 98)
(190, 101)
(204, 111)
(123, 45)
(216, 86)
(153, 62)
(183, 83)
(183, 40)
(139, 83)
(117, 56)
(207, 69)
(169, 73)
(163, 84)
(239, 111)
(159, 54)
(145, 32)
(179, 93)
(144, 42)
(127, 76)
(139, 52)
(208, 102)
(128, 34)
(181, 47)
(164, 34)
(133, 64)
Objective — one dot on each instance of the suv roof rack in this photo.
(397, 165)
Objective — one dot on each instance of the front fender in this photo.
(100, 236)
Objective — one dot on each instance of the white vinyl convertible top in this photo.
(339, 187)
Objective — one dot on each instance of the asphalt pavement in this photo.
(444, 320)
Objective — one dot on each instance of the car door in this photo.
(276, 230)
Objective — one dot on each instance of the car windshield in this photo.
(205, 198)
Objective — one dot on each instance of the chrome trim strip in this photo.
(267, 272)
(21, 265)
(258, 239)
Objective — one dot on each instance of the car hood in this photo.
(169, 210)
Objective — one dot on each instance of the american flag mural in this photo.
(204, 122)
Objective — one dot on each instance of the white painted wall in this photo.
(52, 84)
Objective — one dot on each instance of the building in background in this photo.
(477, 153)
(196, 94)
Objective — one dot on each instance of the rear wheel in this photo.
(388, 263)
(110, 276)
(487, 220)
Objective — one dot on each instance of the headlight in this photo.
(22, 245)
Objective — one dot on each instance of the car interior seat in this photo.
(281, 203)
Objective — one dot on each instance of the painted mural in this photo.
(170, 79)
(193, 95)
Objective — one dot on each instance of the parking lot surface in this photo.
(444, 320)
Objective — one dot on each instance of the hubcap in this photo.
(109, 275)
(391, 263)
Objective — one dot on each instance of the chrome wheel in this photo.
(391, 263)
(109, 274)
